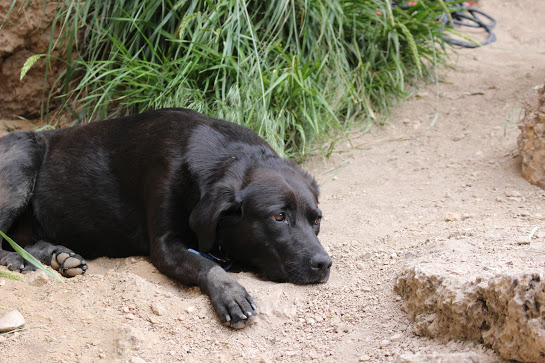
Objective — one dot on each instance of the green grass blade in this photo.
(27, 256)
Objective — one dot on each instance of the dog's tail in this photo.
(21, 156)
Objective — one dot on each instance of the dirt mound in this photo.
(25, 33)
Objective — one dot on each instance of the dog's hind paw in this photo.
(67, 263)
(15, 262)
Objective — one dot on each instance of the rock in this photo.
(130, 316)
(531, 140)
(513, 194)
(38, 278)
(506, 312)
(190, 309)
(466, 357)
(11, 321)
(396, 337)
(157, 309)
(137, 360)
(364, 358)
(20, 38)
(452, 217)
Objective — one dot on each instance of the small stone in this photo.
(137, 360)
(130, 316)
(513, 194)
(157, 309)
(190, 309)
(154, 320)
(2, 282)
(125, 309)
(364, 358)
(11, 321)
(409, 254)
(38, 278)
(452, 217)
(396, 337)
(384, 342)
(523, 241)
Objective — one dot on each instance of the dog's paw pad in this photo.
(68, 264)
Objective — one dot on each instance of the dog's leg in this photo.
(230, 300)
(20, 161)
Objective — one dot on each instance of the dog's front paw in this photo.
(231, 301)
(67, 263)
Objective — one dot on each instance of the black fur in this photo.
(157, 184)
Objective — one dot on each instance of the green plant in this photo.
(27, 256)
(291, 69)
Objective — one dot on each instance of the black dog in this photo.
(162, 184)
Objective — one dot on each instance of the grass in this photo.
(296, 71)
(27, 256)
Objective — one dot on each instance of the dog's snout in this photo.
(320, 262)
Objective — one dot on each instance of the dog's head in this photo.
(270, 222)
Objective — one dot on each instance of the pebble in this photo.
(513, 194)
(2, 282)
(365, 358)
(38, 278)
(125, 309)
(130, 316)
(384, 342)
(137, 360)
(452, 217)
(523, 241)
(396, 337)
(157, 309)
(190, 309)
(11, 321)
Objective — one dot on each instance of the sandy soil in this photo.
(386, 202)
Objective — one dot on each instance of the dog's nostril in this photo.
(320, 262)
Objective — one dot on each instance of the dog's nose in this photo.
(320, 262)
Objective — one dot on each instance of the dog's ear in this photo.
(204, 217)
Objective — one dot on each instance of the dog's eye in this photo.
(317, 221)
(280, 217)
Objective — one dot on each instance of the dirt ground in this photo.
(448, 151)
